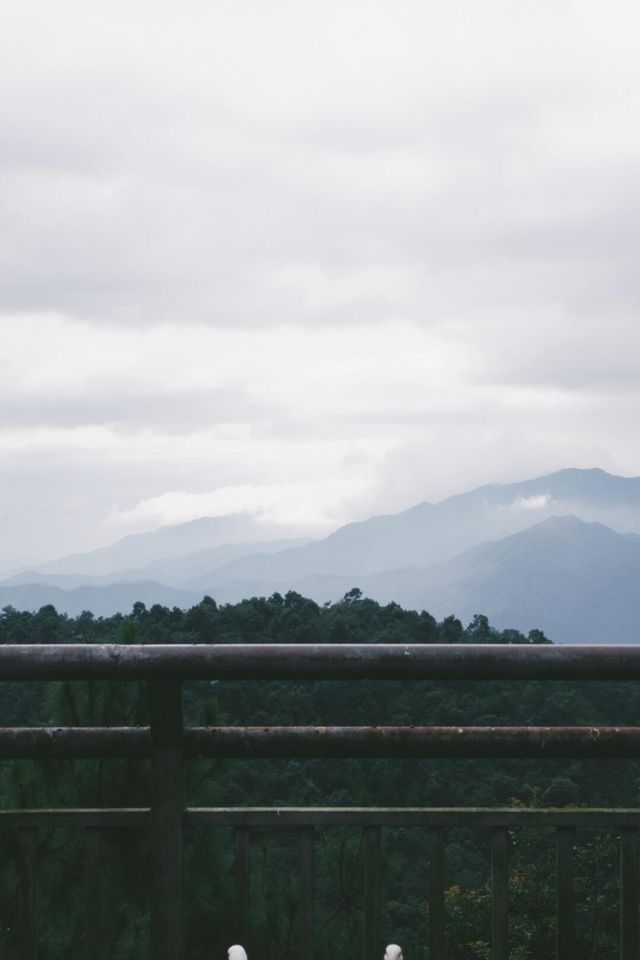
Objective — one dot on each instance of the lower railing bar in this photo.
(565, 838)
(291, 817)
(327, 742)
(500, 893)
(306, 842)
(629, 894)
(28, 869)
(242, 873)
(415, 742)
(100, 817)
(92, 886)
(436, 893)
(371, 940)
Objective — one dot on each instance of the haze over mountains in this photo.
(559, 552)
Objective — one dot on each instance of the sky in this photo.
(311, 261)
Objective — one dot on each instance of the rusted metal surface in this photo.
(43, 743)
(168, 745)
(319, 661)
(325, 742)
(329, 742)
(416, 742)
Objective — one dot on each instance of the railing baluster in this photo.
(167, 810)
(28, 843)
(436, 893)
(371, 893)
(306, 839)
(565, 837)
(92, 886)
(629, 894)
(500, 893)
(241, 869)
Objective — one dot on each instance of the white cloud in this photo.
(539, 502)
(340, 249)
(312, 506)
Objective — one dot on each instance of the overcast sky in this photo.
(315, 260)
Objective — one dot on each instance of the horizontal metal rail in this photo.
(612, 743)
(305, 822)
(318, 662)
(167, 744)
(615, 819)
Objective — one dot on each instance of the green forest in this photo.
(209, 878)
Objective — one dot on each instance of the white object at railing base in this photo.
(393, 952)
(237, 953)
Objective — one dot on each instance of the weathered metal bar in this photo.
(292, 817)
(134, 817)
(565, 839)
(436, 893)
(28, 867)
(167, 811)
(371, 939)
(92, 886)
(306, 845)
(241, 871)
(500, 893)
(425, 742)
(44, 743)
(323, 742)
(629, 894)
(319, 661)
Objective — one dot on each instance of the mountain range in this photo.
(559, 552)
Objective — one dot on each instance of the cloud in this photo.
(338, 250)
(311, 506)
(539, 502)
(251, 164)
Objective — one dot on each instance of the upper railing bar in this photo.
(325, 742)
(319, 662)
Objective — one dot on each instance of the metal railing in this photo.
(169, 745)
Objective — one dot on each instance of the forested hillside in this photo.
(294, 619)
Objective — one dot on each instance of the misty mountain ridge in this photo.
(138, 550)
(552, 552)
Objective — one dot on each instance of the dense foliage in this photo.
(294, 619)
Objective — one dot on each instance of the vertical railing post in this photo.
(167, 814)
(629, 894)
(565, 838)
(371, 893)
(306, 841)
(242, 874)
(436, 893)
(93, 889)
(28, 851)
(499, 893)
